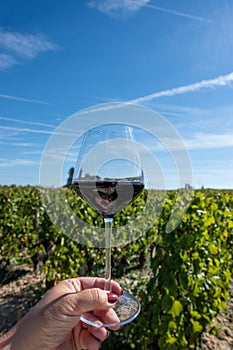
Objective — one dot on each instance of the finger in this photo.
(85, 340)
(108, 317)
(76, 304)
(101, 318)
(100, 333)
(75, 285)
(83, 283)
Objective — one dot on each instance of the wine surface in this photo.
(107, 196)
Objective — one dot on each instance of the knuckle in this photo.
(99, 296)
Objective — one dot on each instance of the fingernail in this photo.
(112, 298)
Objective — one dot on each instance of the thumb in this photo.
(90, 299)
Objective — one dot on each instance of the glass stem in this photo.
(108, 238)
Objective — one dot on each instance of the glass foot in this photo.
(127, 309)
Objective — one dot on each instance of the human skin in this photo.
(54, 323)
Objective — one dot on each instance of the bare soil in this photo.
(223, 340)
(19, 291)
(23, 289)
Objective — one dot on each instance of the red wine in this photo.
(107, 196)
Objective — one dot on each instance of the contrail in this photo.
(22, 99)
(39, 131)
(223, 80)
(211, 83)
(177, 13)
(25, 130)
(27, 122)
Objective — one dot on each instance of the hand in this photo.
(54, 323)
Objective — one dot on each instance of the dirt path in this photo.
(18, 296)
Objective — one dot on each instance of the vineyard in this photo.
(180, 273)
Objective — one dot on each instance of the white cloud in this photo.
(111, 6)
(16, 162)
(16, 46)
(27, 45)
(209, 141)
(6, 61)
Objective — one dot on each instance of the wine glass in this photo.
(108, 176)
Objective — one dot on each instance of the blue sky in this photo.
(173, 56)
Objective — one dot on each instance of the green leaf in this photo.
(196, 326)
(176, 308)
(172, 325)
